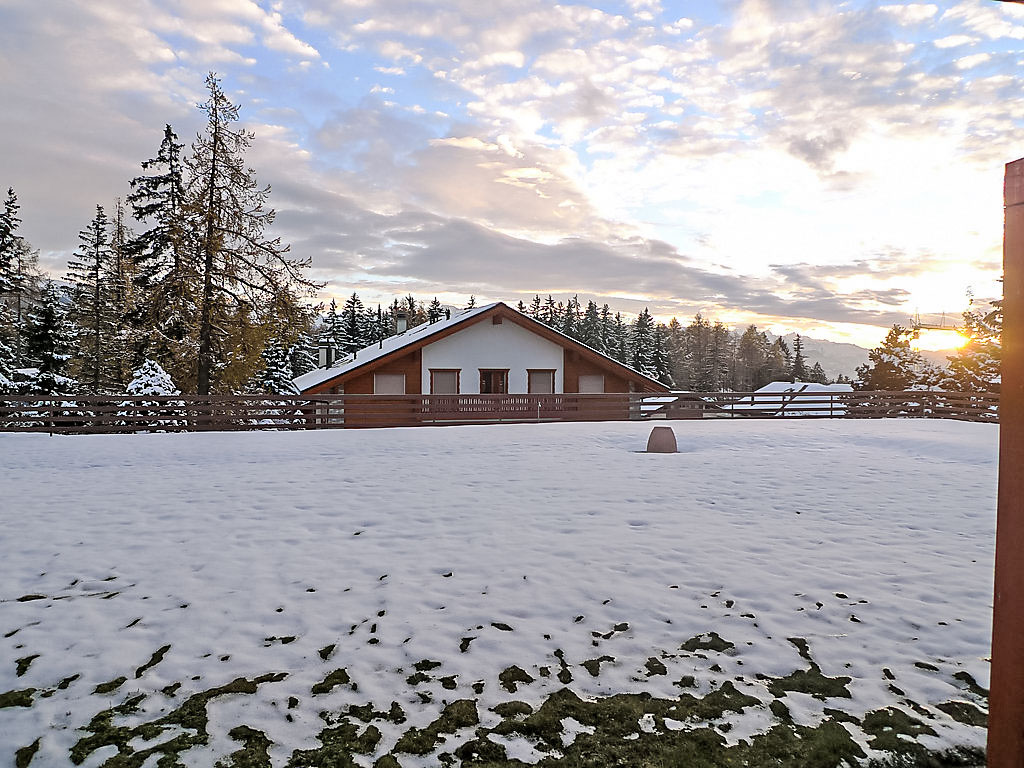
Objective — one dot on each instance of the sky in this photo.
(829, 168)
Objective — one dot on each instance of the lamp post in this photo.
(1006, 695)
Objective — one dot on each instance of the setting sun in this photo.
(939, 339)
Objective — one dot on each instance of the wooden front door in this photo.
(493, 381)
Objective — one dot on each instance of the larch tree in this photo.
(248, 288)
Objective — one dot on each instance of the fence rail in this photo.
(180, 413)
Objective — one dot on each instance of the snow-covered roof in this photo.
(783, 388)
(386, 347)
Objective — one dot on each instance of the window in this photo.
(444, 381)
(591, 384)
(389, 383)
(493, 381)
(540, 382)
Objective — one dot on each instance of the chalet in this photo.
(487, 350)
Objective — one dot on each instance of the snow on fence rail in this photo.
(185, 413)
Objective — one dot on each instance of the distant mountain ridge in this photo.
(838, 357)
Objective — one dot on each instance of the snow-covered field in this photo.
(159, 591)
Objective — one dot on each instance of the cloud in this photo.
(911, 13)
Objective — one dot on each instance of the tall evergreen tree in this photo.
(10, 242)
(302, 355)
(275, 378)
(590, 327)
(49, 341)
(164, 281)
(534, 310)
(435, 311)
(549, 312)
(817, 374)
(893, 365)
(91, 309)
(659, 365)
(977, 364)
(353, 324)
(800, 371)
(246, 280)
(641, 342)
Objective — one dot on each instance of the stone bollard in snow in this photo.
(662, 440)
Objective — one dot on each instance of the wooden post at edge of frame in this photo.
(1006, 695)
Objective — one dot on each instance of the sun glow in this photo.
(935, 340)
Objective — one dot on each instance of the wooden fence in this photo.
(125, 414)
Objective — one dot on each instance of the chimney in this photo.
(326, 354)
(401, 322)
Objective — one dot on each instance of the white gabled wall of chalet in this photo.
(485, 345)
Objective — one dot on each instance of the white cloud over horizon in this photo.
(796, 165)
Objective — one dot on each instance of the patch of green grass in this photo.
(156, 658)
(22, 698)
(964, 712)
(593, 666)
(709, 642)
(886, 726)
(254, 753)
(337, 745)
(510, 677)
(512, 709)
(972, 685)
(422, 741)
(22, 664)
(332, 681)
(655, 666)
(24, 755)
(811, 681)
(111, 685)
(326, 651)
(191, 717)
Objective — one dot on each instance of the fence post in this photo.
(1006, 697)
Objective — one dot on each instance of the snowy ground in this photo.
(842, 565)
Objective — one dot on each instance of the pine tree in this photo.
(353, 325)
(750, 360)
(549, 312)
(619, 339)
(150, 379)
(332, 335)
(675, 349)
(818, 375)
(641, 342)
(49, 341)
(590, 327)
(660, 368)
(893, 365)
(976, 365)
(608, 331)
(302, 355)
(521, 308)
(91, 308)
(571, 318)
(276, 376)
(799, 371)
(435, 311)
(10, 242)
(248, 286)
(164, 282)
(778, 362)
(472, 302)
(535, 307)
(20, 279)
(7, 368)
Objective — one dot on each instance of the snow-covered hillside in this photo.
(395, 596)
